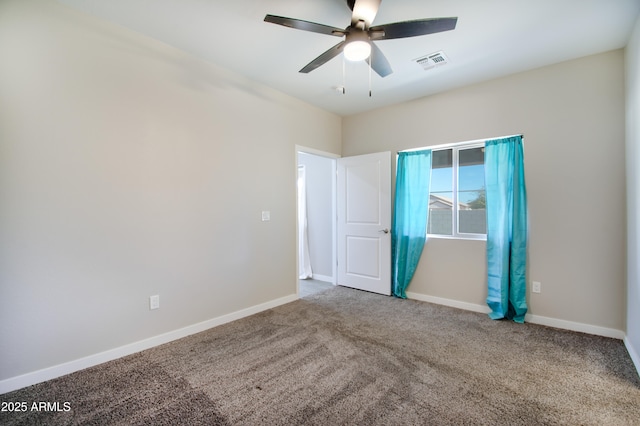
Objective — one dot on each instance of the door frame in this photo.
(333, 157)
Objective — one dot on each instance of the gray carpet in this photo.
(343, 357)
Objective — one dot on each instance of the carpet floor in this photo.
(347, 357)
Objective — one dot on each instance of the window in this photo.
(457, 197)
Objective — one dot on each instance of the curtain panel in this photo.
(304, 257)
(507, 228)
(411, 210)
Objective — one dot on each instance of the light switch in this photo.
(266, 215)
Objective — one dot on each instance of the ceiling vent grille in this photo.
(432, 60)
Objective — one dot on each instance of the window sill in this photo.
(457, 237)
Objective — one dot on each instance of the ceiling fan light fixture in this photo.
(357, 50)
(359, 35)
(366, 10)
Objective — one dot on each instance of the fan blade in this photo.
(324, 58)
(364, 10)
(378, 62)
(299, 24)
(412, 28)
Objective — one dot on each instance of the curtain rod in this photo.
(449, 145)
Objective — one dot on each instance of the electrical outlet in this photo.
(536, 287)
(154, 302)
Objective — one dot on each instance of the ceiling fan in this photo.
(359, 35)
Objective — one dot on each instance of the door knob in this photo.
(385, 230)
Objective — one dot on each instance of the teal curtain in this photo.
(410, 215)
(507, 228)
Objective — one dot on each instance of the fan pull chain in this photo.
(370, 62)
(344, 74)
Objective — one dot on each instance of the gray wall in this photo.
(633, 194)
(572, 117)
(128, 169)
(319, 213)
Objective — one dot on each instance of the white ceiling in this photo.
(493, 38)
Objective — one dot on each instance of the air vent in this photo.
(432, 60)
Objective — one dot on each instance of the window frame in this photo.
(455, 148)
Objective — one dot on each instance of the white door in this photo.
(364, 222)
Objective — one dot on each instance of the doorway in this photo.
(318, 171)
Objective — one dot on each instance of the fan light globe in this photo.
(357, 50)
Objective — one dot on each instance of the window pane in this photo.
(442, 159)
(471, 194)
(441, 196)
(440, 214)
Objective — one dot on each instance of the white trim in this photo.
(457, 144)
(483, 237)
(635, 356)
(333, 157)
(49, 373)
(313, 151)
(325, 278)
(334, 222)
(575, 326)
(455, 203)
(449, 302)
(533, 319)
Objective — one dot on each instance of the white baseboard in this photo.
(575, 326)
(449, 302)
(533, 319)
(49, 373)
(325, 278)
(633, 353)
